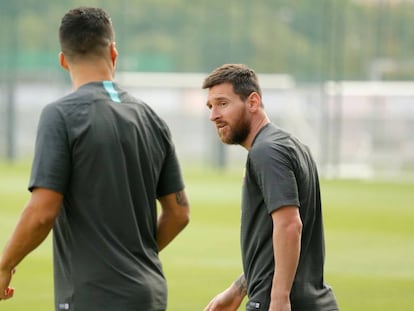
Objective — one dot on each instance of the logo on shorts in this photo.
(254, 305)
(64, 306)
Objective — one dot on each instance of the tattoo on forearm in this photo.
(181, 198)
(241, 285)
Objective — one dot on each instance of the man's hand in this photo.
(231, 298)
(225, 301)
(6, 292)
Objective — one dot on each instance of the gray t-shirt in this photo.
(110, 156)
(280, 172)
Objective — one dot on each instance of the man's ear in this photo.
(114, 53)
(63, 62)
(254, 101)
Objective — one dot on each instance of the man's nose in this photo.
(213, 114)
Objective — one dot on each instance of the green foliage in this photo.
(368, 226)
(312, 40)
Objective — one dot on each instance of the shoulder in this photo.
(273, 147)
(51, 110)
(61, 106)
(270, 139)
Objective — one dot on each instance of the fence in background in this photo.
(355, 129)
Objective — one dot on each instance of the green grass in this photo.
(369, 243)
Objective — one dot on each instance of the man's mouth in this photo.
(219, 126)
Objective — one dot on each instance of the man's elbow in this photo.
(184, 217)
(183, 212)
(295, 227)
(39, 220)
(179, 216)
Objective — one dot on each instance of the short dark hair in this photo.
(243, 79)
(85, 31)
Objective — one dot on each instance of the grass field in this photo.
(369, 235)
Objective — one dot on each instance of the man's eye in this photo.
(222, 104)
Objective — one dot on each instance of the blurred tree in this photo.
(296, 37)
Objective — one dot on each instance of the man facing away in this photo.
(102, 159)
(282, 239)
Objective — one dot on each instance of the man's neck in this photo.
(83, 73)
(256, 126)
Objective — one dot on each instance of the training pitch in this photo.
(369, 242)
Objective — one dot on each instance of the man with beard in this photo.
(282, 239)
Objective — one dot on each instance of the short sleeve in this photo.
(170, 179)
(51, 163)
(275, 176)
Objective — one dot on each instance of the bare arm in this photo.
(287, 231)
(35, 223)
(240, 285)
(231, 298)
(175, 215)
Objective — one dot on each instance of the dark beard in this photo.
(239, 133)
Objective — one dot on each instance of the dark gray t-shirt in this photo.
(279, 172)
(110, 156)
